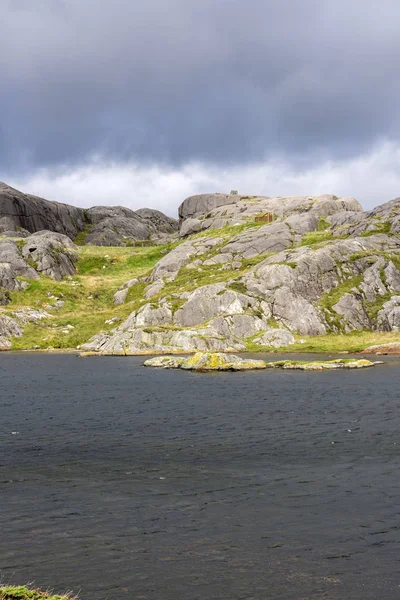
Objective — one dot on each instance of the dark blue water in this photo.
(126, 482)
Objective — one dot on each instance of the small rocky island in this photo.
(218, 361)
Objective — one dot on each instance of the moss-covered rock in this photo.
(206, 361)
(218, 361)
(23, 593)
(325, 365)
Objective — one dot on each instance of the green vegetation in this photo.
(317, 237)
(24, 593)
(328, 300)
(238, 286)
(81, 237)
(229, 231)
(355, 341)
(88, 296)
(323, 224)
(380, 227)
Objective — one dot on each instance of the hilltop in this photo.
(244, 273)
(22, 214)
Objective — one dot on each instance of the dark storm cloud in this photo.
(180, 80)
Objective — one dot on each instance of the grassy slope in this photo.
(88, 296)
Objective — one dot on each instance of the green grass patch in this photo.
(317, 237)
(81, 237)
(323, 224)
(238, 286)
(24, 593)
(88, 296)
(228, 231)
(353, 342)
(380, 227)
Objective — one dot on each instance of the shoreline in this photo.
(278, 351)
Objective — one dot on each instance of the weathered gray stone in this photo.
(120, 296)
(275, 338)
(161, 222)
(210, 301)
(190, 226)
(389, 315)
(212, 211)
(263, 240)
(105, 225)
(392, 277)
(10, 254)
(129, 284)
(203, 203)
(35, 214)
(238, 325)
(9, 327)
(351, 308)
(154, 289)
(205, 361)
(170, 264)
(148, 316)
(5, 343)
(297, 314)
(30, 315)
(52, 254)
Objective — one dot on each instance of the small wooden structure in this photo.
(266, 218)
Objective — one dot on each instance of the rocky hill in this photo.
(247, 273)
(21, 214)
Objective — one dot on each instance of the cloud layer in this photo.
(183, 80)
(194, 87)
(372, 178)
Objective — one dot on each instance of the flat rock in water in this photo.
(218, 361)
(325, 365)
(207, 361)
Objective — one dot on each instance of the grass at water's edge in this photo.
(22, 592)
(351, 343)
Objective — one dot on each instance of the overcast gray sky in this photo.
(145, 102)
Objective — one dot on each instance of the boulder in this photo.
(391, 348)
(14, 265)
(389, 315)
(120, 296)
(9, 327)
(30, 315)
(161, 222)
(201, 204)
(5, 343)
(51, 254)
(276, 338)
(154, 289)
